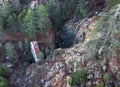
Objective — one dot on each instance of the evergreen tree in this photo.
(42, 19)
(16, 5)
(6, 9)
(1, 24)
(81, 10)
(26, 45)
(58, 13)
(10, 52)
(21, 17)
(12, 23)
(29, 23)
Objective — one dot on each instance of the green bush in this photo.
(77, 77)
(12, 23)
(56, 53)
(81, 10)
(16, 5)
(29, 23)
(100, 85)
(3, 70)
(57, 12)
(9, 48)
(41, 56)
(26, 45)
(6, 9)
(1, 25)
(35, 21)
(20, 45)
(3, 82)
(42, 19)
(106, 76)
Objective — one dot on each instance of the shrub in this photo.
(56, 13)
(41, 56)
(26, 45)
(29, 23)
(77, 77)
(81, 10)
(100, 85)
(56, 53)
(106, 76)
(21, 17)
(1, 25)
(3, 82)
(3, 70)
(16, 5)
(12, 23)
(6, 9)
(10, 52)
(20, 45)
(71, 6)
(35, 21)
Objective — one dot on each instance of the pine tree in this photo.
(10, 52)
(16, 5)
(1, 24)
(21, 17)
(29, 23)
(6, 9)
(12, 23)
(42, 19)
(26, 45)
(81, 10)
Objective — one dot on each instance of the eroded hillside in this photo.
(79, 42)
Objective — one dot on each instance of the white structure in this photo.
(35, 50)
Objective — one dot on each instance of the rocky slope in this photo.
(58, 67)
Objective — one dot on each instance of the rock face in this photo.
(55, 73)
(75, 31)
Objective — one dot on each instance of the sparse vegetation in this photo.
(108, 28)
